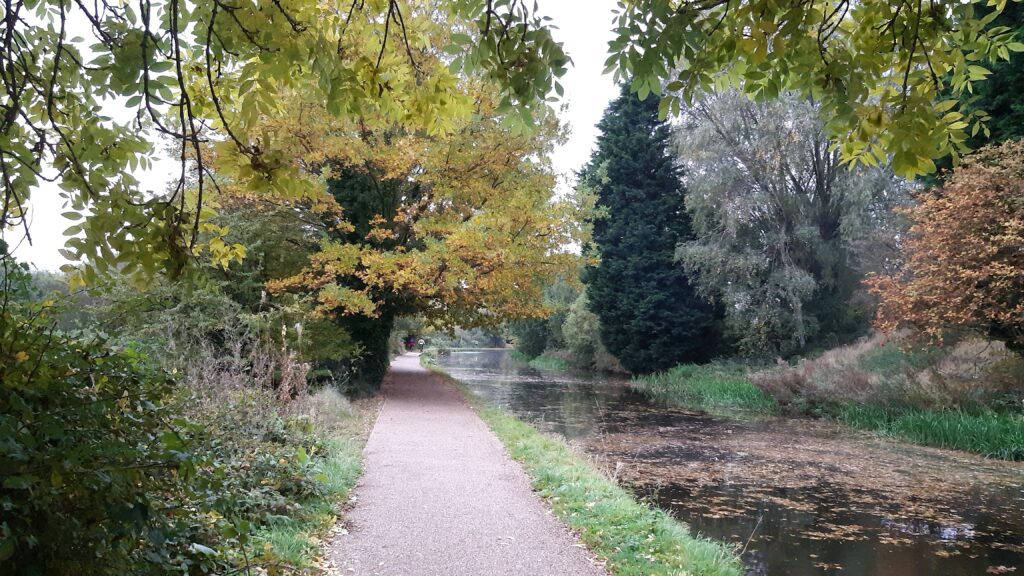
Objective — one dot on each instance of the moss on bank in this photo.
(633, 538)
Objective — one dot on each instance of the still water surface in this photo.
(799, 497)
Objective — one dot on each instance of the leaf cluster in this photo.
(964, 254)
(90, 88)
(880, 70)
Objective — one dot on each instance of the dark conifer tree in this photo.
(650, 316)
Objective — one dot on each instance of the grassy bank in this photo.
(989, 433)
(633, 538)
(295, 538)
(543, 362)
(963, 397)
(725, 392)
(714, 388)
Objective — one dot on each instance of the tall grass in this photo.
(712, 387)
(545, 361)
(552, 363)
(992, 434)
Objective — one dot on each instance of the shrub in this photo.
(89, 453)
(531, 336)
(103, 471)
(581, 332)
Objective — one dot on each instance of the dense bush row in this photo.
(112, 462)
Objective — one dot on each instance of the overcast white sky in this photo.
(584, 26)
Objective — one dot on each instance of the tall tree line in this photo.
(738, 225)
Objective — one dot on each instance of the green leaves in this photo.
(514, 48)
(876, 68)
(78, 463)
(203, 77)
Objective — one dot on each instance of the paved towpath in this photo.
(440, 497)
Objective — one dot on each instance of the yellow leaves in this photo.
(332, 299)
(219, 252)
(453, 211)
(380, 232)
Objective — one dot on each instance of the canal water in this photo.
(797, 497)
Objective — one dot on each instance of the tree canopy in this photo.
(887, 73)
(203, 76)
(90, 90)
(965, 254)
(460, 228)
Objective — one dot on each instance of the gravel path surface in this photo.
(440, 497)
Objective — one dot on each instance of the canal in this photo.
(797, 497)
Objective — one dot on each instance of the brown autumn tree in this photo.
(964, 254)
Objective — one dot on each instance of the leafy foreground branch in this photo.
(633, 538)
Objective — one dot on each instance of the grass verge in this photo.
(296, 538)
(726, 390)
(714, 388)
(634, 539)
(991, 434)
(542, 362)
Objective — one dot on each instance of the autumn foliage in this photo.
(965, 254)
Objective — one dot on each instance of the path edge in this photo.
(673, 548)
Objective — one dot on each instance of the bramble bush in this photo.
(104, 468)
(89, 449)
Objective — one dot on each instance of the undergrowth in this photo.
(966, 396)
(295, 538)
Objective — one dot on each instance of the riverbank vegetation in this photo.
(715, 388)
(545, 361)
(202, 455)
(826, 288)
(964, 397)
(633, 538)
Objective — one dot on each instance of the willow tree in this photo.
(783, 232)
